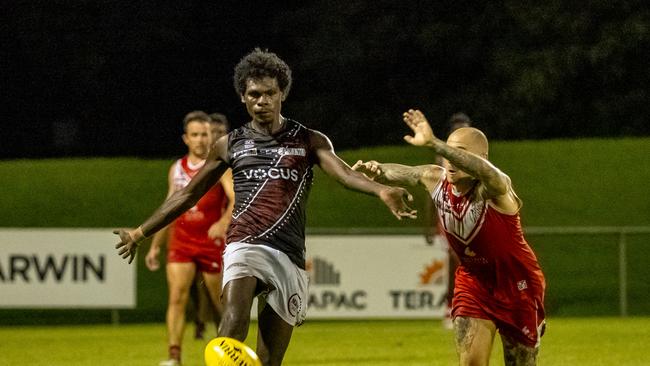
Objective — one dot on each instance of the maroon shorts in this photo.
(208, 258)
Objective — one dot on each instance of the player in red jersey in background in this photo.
(205, 310)
(196, 238)
(499, 283)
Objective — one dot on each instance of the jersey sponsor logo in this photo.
(297, 151)
(245, 152)
(283, 151)
(469, 252)
(474, 260)
(272, 173)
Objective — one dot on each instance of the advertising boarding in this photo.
(64, 268)
(375, 276)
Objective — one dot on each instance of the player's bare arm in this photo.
(394, 197)
(496, 183)
(179, 202)
(152, 260)
(220, 228)
(427, 176)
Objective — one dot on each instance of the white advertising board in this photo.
(376, 277)
(64, 268)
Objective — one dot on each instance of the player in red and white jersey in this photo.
(499, 284)
(195, 238)
(199, 297)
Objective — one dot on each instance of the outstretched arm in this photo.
(402, 175)
(393, 197)
(496, 182)
(219, 229)
(151, 259)
(179, 202)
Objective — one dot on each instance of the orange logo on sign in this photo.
(432, 272)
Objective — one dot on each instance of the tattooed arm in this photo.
(402, 175)
(495, 185)
(495, 181)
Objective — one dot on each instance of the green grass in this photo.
(569, 341)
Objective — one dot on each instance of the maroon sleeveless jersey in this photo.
(272, 177)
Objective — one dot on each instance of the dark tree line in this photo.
(115, 78)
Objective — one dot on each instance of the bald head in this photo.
(470, 139)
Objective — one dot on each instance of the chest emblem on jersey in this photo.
(522, 285)
(463, 219)
(469, 252)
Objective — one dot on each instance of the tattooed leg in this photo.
(517, 354)
(474, 339)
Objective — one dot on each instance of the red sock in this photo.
(175, 352)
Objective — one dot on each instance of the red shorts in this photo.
(521, 318)
(208, 258)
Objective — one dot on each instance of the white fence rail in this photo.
(621, 231)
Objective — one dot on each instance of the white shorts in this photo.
(289, 284)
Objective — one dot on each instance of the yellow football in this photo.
(224, 351)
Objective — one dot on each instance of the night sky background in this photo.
(115, 78)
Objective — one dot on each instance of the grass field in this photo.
(569, 341)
